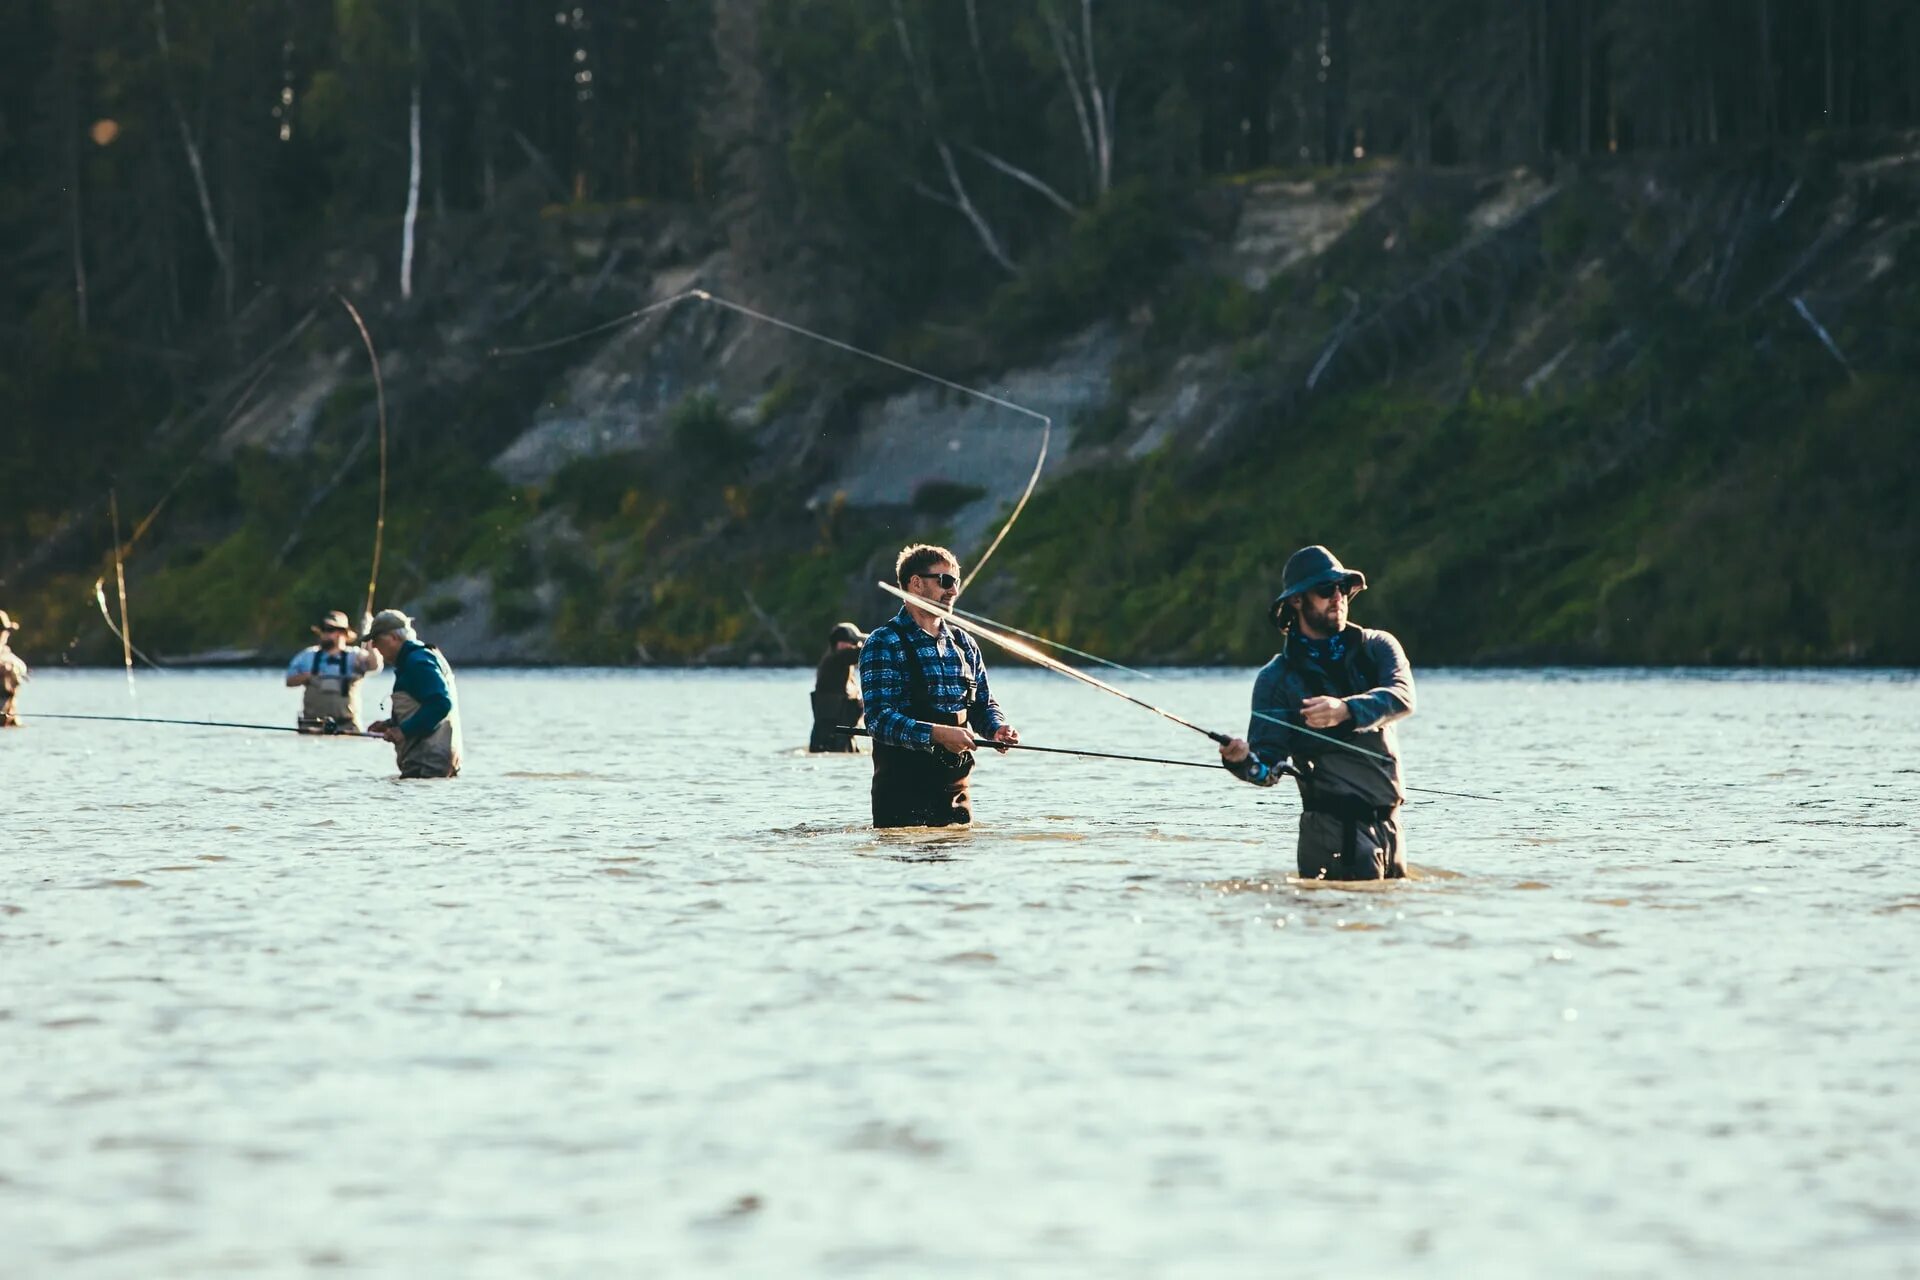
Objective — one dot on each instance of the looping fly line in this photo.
(702, 295)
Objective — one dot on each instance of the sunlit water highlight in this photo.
(640, 994)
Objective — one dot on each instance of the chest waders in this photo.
(1349, 804)
(330, 702)
(834, 704)
(923, 788)
(435, 754)
(12, 673)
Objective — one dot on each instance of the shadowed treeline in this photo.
(959, 183)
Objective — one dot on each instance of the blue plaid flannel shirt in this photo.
(951, 659)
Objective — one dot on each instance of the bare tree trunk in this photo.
(1826, 60)
(75, 212)
(980, 58)
(214, 240)
(1102, 110)
(1765, 78)
(959, 198)
(965, 205)
(1333, 81)
(1056, 31)
(1583, 43)
(413, 164)
(1020, 175)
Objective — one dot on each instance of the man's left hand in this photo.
(1324, 713)
(1006, 734)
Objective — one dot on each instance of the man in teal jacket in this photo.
(425, 725)
(1327, 704)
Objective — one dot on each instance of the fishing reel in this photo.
(325, 726)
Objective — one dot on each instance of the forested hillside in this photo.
(1590, 328)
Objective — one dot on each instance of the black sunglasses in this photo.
(1331, 590)
(947, 581)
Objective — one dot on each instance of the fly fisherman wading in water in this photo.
(13, 672)
(330, 673)
(1348, 684)
(425, 728)
(927, 697)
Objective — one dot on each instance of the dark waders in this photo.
(1344, 838)
(922, 788)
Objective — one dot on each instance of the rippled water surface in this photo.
(640, 994)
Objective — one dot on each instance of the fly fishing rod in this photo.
(1027, 651)
(330, 729)
(986, 743)
(380, 403)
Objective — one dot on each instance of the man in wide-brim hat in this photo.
(1326, 705)
(329, 674)
(13, 672)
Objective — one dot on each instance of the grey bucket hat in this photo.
(387, 621)
(1311, 567)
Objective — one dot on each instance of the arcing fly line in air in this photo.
(701, 295)
(380, 405)
(1055, 644)
(1039, 659)
(1027, 651)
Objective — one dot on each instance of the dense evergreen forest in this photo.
(949, 179)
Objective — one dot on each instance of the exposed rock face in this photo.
(932, 435)
(1282, 222)
(282, 420)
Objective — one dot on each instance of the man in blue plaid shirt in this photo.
(925, 685)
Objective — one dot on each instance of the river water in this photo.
(640, 994)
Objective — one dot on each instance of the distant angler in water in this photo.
(836, 690)
(1347, 685)
(927, 699)
(329, 675)
(13, 673)
(425, 728)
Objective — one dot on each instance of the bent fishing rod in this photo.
(987, 743)
(1027, 651)
(331, 729)
(839, 344)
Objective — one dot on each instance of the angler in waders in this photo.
(425, 728)
(836, 691)
(927, 698)
(1347, 685)
(329, 675)
(13, 672)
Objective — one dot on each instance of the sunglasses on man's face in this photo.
(1332, 591)
(947, 581)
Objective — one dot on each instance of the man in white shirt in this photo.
(330, 673)
(13, 672)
